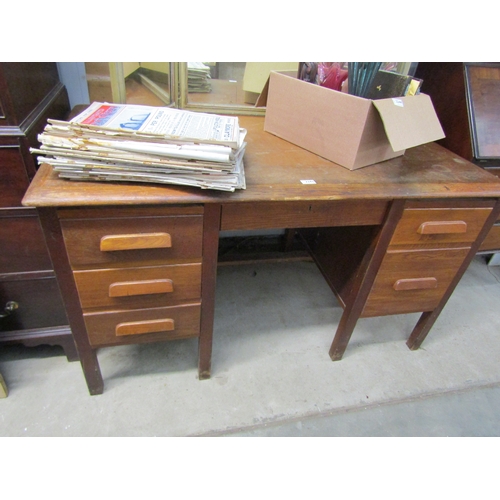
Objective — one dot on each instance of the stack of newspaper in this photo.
(198, 77)
(133, 143)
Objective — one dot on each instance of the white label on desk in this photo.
(398, 102)
(308, 181)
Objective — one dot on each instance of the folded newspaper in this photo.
(134, 143)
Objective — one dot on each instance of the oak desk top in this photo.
(274, 169)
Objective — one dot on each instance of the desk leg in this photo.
(64, 273)
(343, 334)
(365, 278)
(211, 225)
(422, 328)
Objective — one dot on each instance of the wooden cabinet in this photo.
(30, 301)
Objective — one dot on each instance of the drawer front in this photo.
(139, 287)
(23, 245)
(412, 281)
(436, 226)
(39, 304)
(143, 241)
(143, 325)
(299, 214)
(492, 240)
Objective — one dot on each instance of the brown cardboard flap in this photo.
(409, 121)
(262, 99)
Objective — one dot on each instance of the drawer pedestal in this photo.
(410, 264)
(135, 275)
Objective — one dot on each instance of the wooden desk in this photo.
(390, 238)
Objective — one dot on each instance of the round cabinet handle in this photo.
(9, 308)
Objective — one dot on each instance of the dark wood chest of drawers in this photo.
(31, 308)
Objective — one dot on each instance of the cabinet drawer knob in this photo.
(111, 243)
(142, 327)
(415, 284)
(442, 227)
(9, 308)
(145, 287)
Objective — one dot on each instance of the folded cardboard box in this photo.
(351, 131)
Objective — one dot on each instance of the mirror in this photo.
(219, 87)
(147, 83)
(228, 87)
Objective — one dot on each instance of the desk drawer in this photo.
(39, 304)
(412, 281)
(492, 240)
(298, 214)
(143, 325)
(139, 287)
(438, 226)
(139, 241)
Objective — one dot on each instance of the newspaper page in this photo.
(164, 122)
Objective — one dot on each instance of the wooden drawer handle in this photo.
(415, 284)
(142, 327)
(146, 287)
(115, 242)
(442, 227)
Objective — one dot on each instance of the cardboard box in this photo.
(348, 130)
